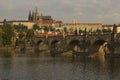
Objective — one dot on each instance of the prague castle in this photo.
(36, 18)
(42, 20)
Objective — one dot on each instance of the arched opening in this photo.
(39, 42)
(73, 45)
(99, 42)
(98, 48)
(54, 42)
(54, 48)
(74, 42)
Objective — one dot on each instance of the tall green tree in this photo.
(7, 35)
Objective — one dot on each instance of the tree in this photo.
(46, 29)
(65, 29)
(104, 30)
(109, 30)
(35, 27)
(71, 29)
(7, 35)
(1, 32)
(30, 33)
(75, 31)
(98, 31)
(20, 28)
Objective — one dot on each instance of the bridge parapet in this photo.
(68, 39)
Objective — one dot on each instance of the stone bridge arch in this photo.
(99, 42)
(74, 42)
(39, 42)
(117, 37)
(99, 45)
(54, 41)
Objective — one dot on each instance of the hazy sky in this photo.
(85, 11)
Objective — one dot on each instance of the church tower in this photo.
(29, 16)
(35, 16)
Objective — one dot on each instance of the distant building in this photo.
(111, 27)
(42, 20)
(35, 18)
(19, 22)
(82, 26)
(22, 22)
(1, 23)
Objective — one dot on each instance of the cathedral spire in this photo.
(36, 11)
(29, 16)
(36, 15)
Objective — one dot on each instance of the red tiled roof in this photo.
(58, 22)
(46, 21)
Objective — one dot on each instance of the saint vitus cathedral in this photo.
(35, 16)
(42, 20)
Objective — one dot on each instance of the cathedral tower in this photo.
(34, 16)
(29, 16)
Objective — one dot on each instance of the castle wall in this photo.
(28, 24)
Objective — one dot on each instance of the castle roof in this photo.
(46, 17)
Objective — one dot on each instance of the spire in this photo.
(33, 16)
(36, 11)
(29, 16)
(36, 15)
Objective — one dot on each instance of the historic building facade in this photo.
(36, 18)
(42, 20)
(82, 26)
(111, 27)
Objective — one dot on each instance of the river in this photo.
(43, 67)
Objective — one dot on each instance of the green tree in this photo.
(46, 29)
(71, 29)
(7, 35)
(20, 28)
(30, 33)
(65, 29)
(104, 30)
(1, 32)
(109, 30)
(98, 31)
(35, 27)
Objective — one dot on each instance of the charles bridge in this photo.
(60, 44)
(68, 40)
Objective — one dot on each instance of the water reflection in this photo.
(24, 67)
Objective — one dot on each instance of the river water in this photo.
(42, 67)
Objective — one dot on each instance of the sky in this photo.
(84, 11)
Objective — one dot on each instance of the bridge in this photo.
(73, 38)
(60, 44)
(78, 43)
